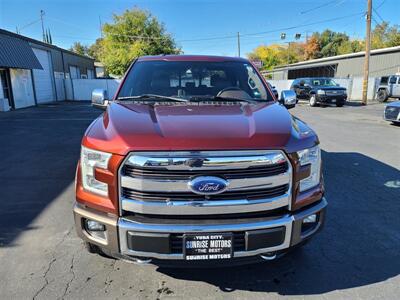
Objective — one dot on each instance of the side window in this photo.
(295, 82)
(302, 82)
(253, 82)
(398, 79)
(393, 79)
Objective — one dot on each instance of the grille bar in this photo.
(251, 172)
(250, 195)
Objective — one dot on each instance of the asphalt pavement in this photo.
(356, 255)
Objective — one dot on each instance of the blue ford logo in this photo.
(208, 185)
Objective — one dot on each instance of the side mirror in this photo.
(99, 98)
(288, 99)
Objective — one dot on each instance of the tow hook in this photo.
(268, 256)
(141, 261)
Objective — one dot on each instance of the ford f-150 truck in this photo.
(194, 161)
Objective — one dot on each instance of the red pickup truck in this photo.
(195, 161)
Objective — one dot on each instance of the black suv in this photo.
(319, 90)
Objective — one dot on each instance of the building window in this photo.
(74, 71)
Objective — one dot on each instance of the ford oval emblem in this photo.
(208, 185)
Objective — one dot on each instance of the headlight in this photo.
(91, 159)
(312, 157)
(321, 92)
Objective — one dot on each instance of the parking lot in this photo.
(356, 255)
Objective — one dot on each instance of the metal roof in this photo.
(17, 53)
(31, 40)
(338, 57)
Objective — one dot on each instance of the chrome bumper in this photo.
(291, 222)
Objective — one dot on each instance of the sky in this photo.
(199, 27)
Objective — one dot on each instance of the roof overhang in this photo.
(17, 53)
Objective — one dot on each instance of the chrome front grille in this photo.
(334, 92)
(158, 182)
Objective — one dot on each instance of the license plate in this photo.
(207, 246)
(333, 100)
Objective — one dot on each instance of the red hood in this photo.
(137, 127)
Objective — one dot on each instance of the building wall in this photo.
(82, 63)
(62, 60)
(381, 64)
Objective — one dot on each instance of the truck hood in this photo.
(197, 126)
(394, 104)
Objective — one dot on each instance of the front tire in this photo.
(313, 101)
(382, 96)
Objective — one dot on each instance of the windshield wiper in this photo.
(221, 98)
(148, 96)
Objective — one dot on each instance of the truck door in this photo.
(396, 88)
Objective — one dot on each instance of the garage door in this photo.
(21, 83)
(43, 78)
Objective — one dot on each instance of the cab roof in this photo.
(210, 58)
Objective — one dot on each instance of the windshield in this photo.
(323, 82)
(188, 80)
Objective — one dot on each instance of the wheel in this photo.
(382, 95)
(339, 104)
(313, 101)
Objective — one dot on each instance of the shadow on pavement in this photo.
(358, 246)
(39, 151)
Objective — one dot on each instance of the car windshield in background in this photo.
(194, 80)
(323, 82)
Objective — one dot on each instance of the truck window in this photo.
(193, 78)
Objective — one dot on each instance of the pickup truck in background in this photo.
(389, 87)
(195, 162)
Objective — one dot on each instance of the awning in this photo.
(17, 53)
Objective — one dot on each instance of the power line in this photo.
(376, 13)
(317, 7)
(308, 24)
(29, 24)
(383, 2)
(233, 36)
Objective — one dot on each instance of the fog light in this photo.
(310, 219)
(92, 225)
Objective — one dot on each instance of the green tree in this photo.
(78, 48)
(384, 35)
(330, 42)
(95, 49)
(132, 34)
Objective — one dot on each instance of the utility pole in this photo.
(101, 27)
(367, 54)
(41, 19)
(238, 43)
(288, 52)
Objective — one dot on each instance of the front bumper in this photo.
(158, 234)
